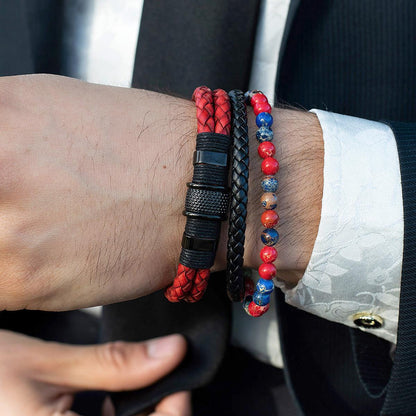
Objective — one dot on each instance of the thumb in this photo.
(113, 366)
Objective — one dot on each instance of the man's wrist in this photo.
(299, 149)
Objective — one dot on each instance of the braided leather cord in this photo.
(239, 192)
(213, 115)
(222, 118)
(222, 112)
(204, 103)
(181, 285)
(199, 287)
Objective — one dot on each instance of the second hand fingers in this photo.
(114, 366)
(177, 404)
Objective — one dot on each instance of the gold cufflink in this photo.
(367, 320)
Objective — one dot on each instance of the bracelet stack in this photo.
(206, 203)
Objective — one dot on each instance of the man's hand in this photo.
(92, 186)
(40, 378)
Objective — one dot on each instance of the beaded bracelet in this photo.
(257, 302)
(207, 196)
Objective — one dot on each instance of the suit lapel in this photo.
(15, 50)
(187, 43)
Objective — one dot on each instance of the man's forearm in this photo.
(92, 186)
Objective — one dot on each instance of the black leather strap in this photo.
(206, 157)
(200, 244)
(209, 173)
(198, 229)
(206, 203)
(238, 204)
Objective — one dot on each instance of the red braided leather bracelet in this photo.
(213, 116)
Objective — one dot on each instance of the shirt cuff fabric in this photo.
(357, 257)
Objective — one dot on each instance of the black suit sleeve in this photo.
(333, 369)
(401, 395)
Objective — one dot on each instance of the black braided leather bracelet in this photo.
(238, 203)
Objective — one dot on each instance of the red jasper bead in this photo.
(268, 254)
(262, 108)
(248, 288)
(266, 149)
(269, 166)
(269, 218)
(256, 310)
(267, 271)
(258, 97)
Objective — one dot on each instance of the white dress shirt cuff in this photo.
(357, 257)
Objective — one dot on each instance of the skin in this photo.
(92, 184)
(40, 378)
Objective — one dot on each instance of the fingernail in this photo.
(164, 346)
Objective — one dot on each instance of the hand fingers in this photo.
(113, 366)
(108, 408)
(178, 404)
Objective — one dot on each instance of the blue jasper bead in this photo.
(269, 237)
(265, 286)
(269, 184)
(261, 299)
(247, 302)
(247, 96)
(263, 134)
(264, 120)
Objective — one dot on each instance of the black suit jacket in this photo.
(351, 57)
